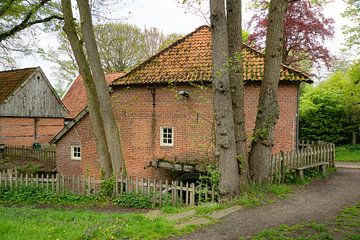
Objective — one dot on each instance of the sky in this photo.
(169, 17)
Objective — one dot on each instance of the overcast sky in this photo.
(169, 17)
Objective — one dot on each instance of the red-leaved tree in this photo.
(305, 31)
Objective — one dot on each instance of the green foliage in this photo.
(330, 111)
(133, 200)
(38, 195)
(107, 187)
(352, 31)
(259, 194)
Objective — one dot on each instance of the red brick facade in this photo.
(140, 112)
(26, 131)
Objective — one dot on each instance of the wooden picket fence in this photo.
(17, 152)
(309, 155)
(159, 192)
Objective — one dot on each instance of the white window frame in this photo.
(73, 152)
(162, 136)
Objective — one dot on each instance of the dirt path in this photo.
(320, 201)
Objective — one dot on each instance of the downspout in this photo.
(153, 122)
(297, 115)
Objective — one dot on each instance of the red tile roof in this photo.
(75, 98)
(189, 59)
(10, 80)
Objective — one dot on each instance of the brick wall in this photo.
(21, 131)
(139, 120)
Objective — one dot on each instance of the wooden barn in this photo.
(30, 110)
(164, 112)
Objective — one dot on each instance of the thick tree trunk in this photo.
(93, 105)
(225, 150)
(110, 126)
(268, 109)
(353, 141)
(233, 8)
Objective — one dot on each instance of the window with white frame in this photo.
(76, 152)
(166, 136)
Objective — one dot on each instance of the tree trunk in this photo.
(111, 129)
(93, 103)
(225, 150)
(353, 141)
(268, 108)
(233, 8)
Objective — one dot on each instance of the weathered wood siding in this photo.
(34, 98)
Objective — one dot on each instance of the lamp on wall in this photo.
(183, 93)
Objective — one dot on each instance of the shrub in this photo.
(38, 195)
(133, 200)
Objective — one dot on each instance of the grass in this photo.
(348, 153)
(17, 222)
(345, 226)
(259, 194)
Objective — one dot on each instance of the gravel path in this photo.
(320, 201)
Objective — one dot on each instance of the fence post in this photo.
(192, 194)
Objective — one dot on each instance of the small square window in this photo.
(76, 152)
(167, 136)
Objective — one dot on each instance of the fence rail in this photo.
(158, 192)
(310, 154)
(47, 154)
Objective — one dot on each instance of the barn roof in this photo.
(189, 59)
(75, 98)
(10, 80)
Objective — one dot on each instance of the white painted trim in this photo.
(72, 152)
(161, 136)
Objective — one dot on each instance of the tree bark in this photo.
(268, 108)
(111, 129)
(234, 31)
(225, 149)
(353, 140)
(26, 22)
(93, 103)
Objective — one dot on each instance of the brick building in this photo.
(164, 111)
(30, 110)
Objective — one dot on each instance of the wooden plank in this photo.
(58, 182)
(154, 199)
(192, 195)
(47, 182)
(181, 194)
(116, 185)
(166, 190)
(137, 185)
(160, 193)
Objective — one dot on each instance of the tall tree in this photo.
(234, 33)
(88, 60)
(85, 71)
(352, 32)
(121, 46)
(305, 31)
(19, 16)
(268, 108)
(225, 149)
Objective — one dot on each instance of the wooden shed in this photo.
(30, 110)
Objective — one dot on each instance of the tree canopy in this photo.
(331, 111)
(305, 29)
(19, 16)
(121, 46)
(352, 32)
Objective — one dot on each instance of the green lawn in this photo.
(348, 153)
(30, 223)
(345, 226)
